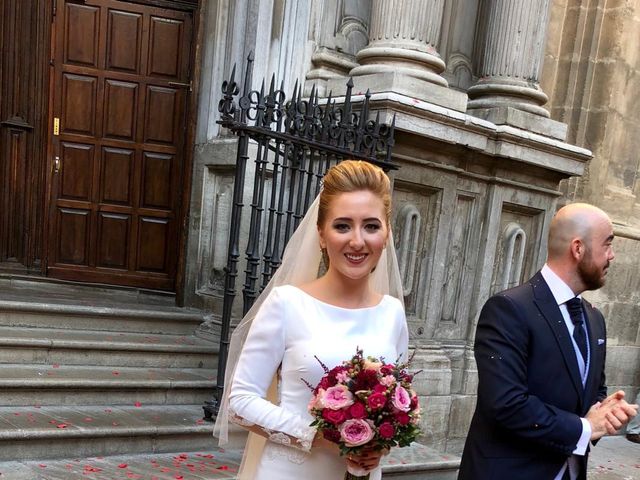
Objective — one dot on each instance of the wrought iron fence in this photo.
(294, 142)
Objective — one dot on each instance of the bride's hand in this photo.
(367, 460)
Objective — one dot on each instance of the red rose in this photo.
(366, 379)
(325, 383)
(402, 418)
(334, 417)
(414, 402)
(331, 435)
(376, 400)
(358, 410)
(386, 430)
(386, 369)
(380, 388)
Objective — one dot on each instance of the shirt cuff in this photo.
(583, 442)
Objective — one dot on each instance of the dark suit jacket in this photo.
(530, 395)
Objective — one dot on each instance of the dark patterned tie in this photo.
(575, 312)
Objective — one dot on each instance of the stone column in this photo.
(402, 40)
(509, 49)
(341, 33)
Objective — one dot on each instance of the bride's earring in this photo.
(325, 258)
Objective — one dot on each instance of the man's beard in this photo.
(591, 275)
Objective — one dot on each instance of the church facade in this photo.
(115, 170)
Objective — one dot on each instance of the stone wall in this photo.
(592, 75)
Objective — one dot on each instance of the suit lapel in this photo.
(549, 309)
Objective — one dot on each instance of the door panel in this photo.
(81, 34)
(123, 42)
(119, 93)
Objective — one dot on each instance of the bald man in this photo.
(540, 352)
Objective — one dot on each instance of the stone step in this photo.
(107, 348)
(94, 385)
(149, 319)
(47, 432)
(412, 463)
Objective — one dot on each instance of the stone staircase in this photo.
(91, 372)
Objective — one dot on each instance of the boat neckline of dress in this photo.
(336, 306)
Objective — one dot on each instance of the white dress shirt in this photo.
(562, 293)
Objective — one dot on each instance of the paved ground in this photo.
(216, 465)
(615, 458)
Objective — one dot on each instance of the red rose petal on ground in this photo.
(62, 425)
(108, 410)
(137, 404)
(223, 467)
(115, 372)
(42, 465)
(88, 419)
(178, 477)
(56, 365)
(123, 465)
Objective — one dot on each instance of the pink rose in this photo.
(337, 397)
(334, 416)
(376, 400)
(358, 410)
(386, 430)
(401, 399)
(316, 400)
(388, 380)
(356, 432)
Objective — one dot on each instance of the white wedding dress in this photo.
(290, 329)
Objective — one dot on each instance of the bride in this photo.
(356, 303)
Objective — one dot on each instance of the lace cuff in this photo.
(301, 438)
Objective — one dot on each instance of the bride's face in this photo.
(354, 233)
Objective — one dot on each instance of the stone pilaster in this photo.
(509, 49)
(402, 39)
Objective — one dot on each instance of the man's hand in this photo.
(610, 415)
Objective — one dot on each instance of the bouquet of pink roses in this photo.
(366, 403)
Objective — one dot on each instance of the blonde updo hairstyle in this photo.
(354, 176)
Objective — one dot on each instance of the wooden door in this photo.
(122, 76)
(24, 80)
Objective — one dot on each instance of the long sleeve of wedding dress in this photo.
(262, 355)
